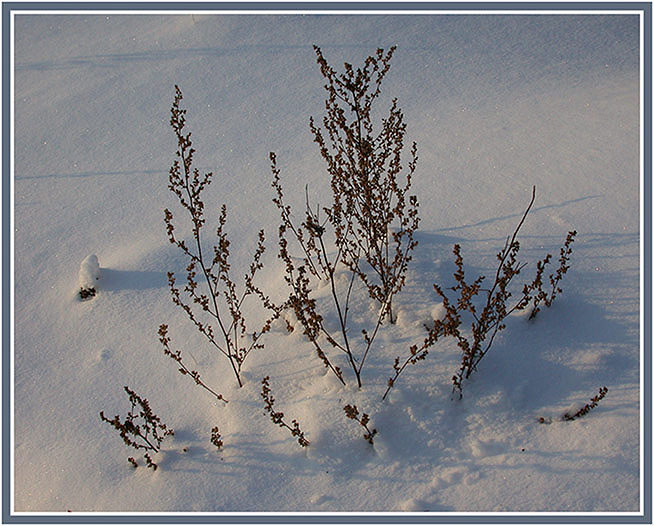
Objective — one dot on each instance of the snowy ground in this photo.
(496, 104)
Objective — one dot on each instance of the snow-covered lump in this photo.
(89, 273)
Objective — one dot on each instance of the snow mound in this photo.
(89, 273)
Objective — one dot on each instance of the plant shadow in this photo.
(119, 280)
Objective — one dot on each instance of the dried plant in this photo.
(368, 201)
(89, 274)
(143, 430)
(216, 438)
(588, 407)
(352, 412)
(215, 307)
(372, 214)
(278, 417)
(87, 293)
(554, 279)
(488, 315)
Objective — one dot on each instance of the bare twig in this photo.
(278, 417)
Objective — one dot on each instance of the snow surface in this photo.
(496, 104)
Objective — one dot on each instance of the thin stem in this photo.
(340, 314)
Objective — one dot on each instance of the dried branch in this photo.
(278, 417)
(588, 407)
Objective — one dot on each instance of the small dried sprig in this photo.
(143, 430)
(216, 438)
(554, 279)
(87, 292)
(352, 412)
(278, 417)
(588, 407)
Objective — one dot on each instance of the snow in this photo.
(89, 272)
(496, 104)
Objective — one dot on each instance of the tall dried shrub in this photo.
(368, 229)
(213, 304)
(372, 213)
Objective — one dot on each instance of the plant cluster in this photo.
(359, 244)
(143, 430)
(488, 318)
(486, 307)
